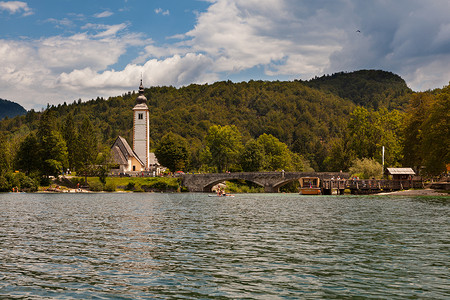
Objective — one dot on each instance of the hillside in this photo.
(368, 88)
(10, 109)
(304, 117)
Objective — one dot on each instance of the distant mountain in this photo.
(368, 88)
(10, 109)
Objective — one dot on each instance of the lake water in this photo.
(253, 246)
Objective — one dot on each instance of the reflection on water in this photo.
(254, 246)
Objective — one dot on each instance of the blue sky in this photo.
(55, 51)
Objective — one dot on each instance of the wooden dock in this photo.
(369, 186)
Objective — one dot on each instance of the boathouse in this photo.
(400, 173)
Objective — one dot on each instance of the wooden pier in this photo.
(369, 186)
(376, 186)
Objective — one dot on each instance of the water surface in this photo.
(253, 246)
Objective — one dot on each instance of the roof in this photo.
(118, 156)
(140, 106)
(153, 159)
(401, 171)
(121, 151)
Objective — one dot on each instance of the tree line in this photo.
(248, 126)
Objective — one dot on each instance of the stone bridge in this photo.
(271, 181)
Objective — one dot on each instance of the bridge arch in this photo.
(278, 185)
(208, 187)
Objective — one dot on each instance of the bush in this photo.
(366, 168)
(110, 187)
(130, 186)
(96, 186)
(77, 180)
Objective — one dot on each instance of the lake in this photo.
(252, 246)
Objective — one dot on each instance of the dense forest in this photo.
(322, 124)
(10, 109)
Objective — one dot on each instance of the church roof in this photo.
(121, 151)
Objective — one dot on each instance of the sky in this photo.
(56, 51)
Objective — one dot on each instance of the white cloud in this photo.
(104, 14)
(105, 30)
(162, 12)
(14, 7)
(285, 38)
(175, 71)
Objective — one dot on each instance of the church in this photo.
(137, 160)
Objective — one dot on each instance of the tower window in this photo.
(140, 116)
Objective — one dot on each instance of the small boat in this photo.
(221, 195)
(310, 186)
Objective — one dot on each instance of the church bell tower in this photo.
(141, 128)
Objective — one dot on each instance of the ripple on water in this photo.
(259, 246)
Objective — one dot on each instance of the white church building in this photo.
(136, 160)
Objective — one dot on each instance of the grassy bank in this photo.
(120, 184)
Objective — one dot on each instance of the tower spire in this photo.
(141, 98)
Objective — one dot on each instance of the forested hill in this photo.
(369, 88)
(10, 109)
(306, 119)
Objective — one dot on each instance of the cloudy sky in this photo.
(55, 51)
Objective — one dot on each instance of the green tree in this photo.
(4, 155)
(172, 152)
(28, 158)
(276, 154)
(419, 106)
(366, 168)
(252, 157)
(370, 130)
(103, 164)
(435, 132)
(70, 135)
(224, 143)
(47, 124)
(340, 155)
(53, 151)
(86, 148)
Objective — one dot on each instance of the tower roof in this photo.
(141, 98)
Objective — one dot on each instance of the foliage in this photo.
(242, 186)
(95, 186)
(172, 152)
(427, 131)
(370, 88)
(86, 151)
(28, 156)
(103, 164)
(366, 168)
(70, 135)
(252, 156)
(4, 155)
(224, 144)
(110, 186)
(19, 180)
(370, 130)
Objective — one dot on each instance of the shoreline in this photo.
(422, 192)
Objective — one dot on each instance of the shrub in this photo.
(130, 186)
(366, 168)
(110, 187)
(95, 186)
